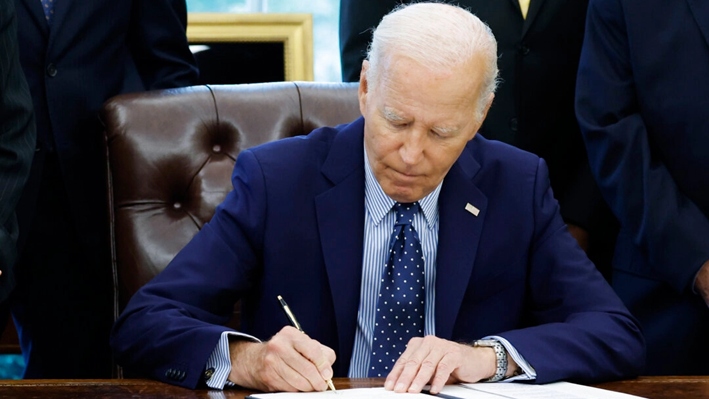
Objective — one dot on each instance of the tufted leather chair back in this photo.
(171, 155)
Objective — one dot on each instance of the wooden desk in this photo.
(649, 387)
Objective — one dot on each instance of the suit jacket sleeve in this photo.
(357, 19)
(175, 321)
(159, 44)
(664, 223)
(17, 140)
(581, 331)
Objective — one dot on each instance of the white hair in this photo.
(438, 36)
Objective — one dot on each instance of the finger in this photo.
(429, 365)
(291, 365)
(276, 372)
(446, 366)
(294, 377)
(329, 357)
(415, 360)
(398, 367)
(315, 363)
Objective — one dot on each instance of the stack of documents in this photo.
(557, 390)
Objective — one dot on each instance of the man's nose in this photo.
(412, 149)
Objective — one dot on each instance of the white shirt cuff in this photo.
(219, 363)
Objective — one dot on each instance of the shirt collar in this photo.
(378, 204)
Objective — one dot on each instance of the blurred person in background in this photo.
(76, 55)
(17, 141)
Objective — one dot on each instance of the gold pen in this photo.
(295, 324)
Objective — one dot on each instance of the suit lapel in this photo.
(62, 11)
(700, 10)
(340, 213)
(34, 8)
(534, 8)
(458, 238)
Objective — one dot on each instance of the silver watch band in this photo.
(500, 354)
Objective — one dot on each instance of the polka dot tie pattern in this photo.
(48, 7)
(400, 305)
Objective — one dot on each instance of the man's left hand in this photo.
(436, 361)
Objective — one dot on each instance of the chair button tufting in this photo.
(217, 148)
(177, 205)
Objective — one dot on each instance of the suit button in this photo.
(51, 70)
(524, 50)
(513, 124)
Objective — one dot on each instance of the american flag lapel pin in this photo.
(470, 208)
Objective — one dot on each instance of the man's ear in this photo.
(363, 87)
(483, 114)
(487, 107)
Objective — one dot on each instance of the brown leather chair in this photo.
(171, 154)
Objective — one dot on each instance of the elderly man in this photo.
(409, 247)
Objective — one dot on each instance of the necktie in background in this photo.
(400, 306)
(48, 7)
(524, 6)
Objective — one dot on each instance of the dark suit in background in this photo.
(17, 140)
(642, 102)
(92, 51)
(534, 104)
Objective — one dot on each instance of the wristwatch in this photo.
(500, 354)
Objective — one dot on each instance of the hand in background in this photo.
(701, 284)
(289, 361)
(580, 234)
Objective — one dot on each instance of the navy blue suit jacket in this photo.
(17, 139)
(293, 226)
(93, 51)
(642, 102)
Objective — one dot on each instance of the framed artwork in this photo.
(250, 48)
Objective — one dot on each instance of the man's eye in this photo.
(438, 134)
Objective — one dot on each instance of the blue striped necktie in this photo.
(400, 305)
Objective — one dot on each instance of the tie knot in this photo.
(405, 212)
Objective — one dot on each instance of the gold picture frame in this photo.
(295, 31)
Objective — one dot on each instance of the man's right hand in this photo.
(289, 361)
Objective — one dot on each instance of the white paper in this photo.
(355, 393)
(557, 390)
